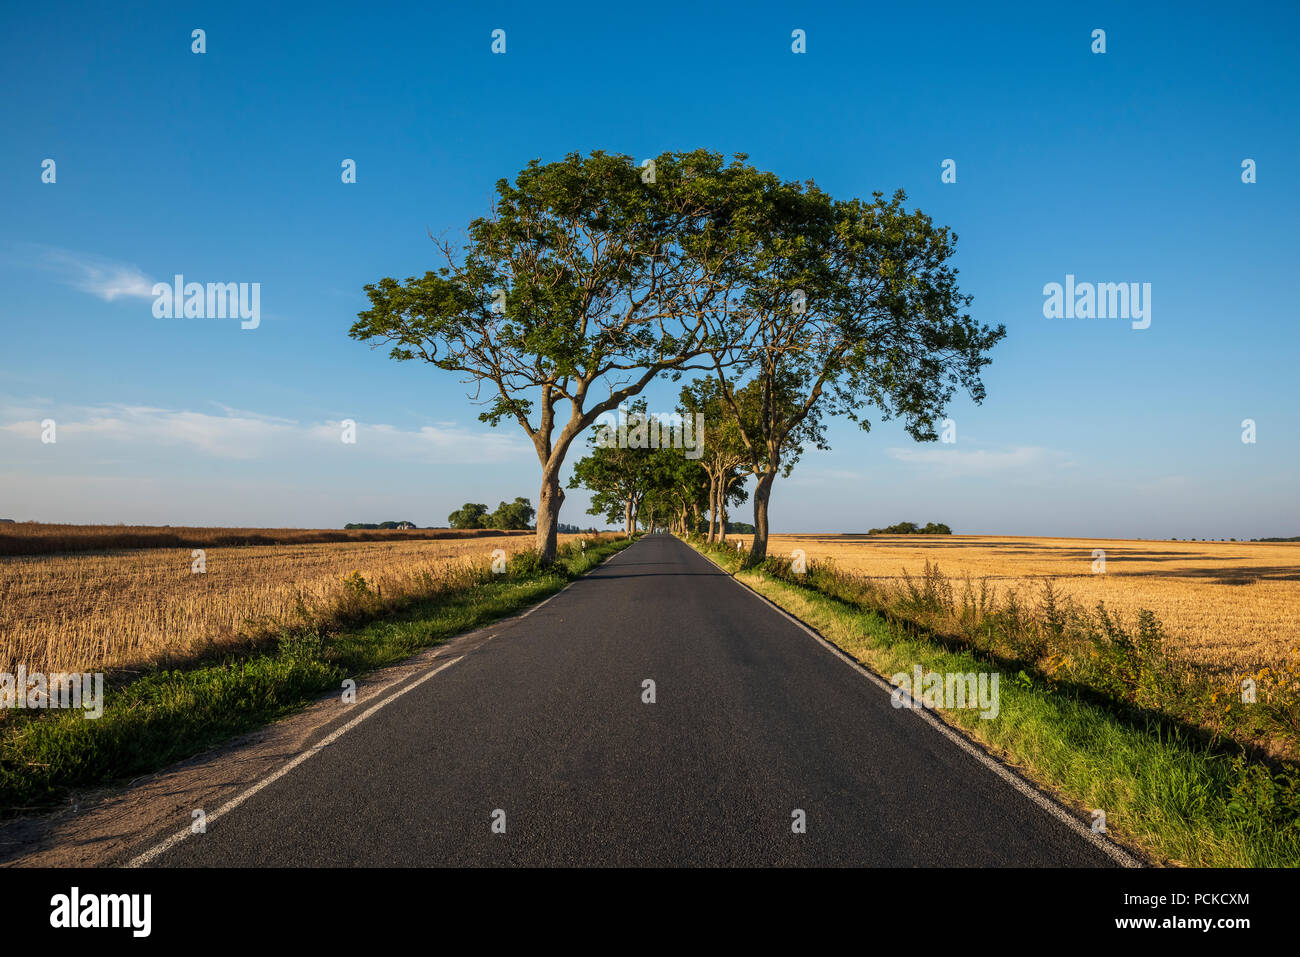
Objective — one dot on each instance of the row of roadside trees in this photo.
(594, 276)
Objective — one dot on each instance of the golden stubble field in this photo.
(105, 610)
(1231, 606)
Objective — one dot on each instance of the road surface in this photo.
(543, 730)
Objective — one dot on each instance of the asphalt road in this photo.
(545, 722)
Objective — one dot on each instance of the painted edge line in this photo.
(166, 845)
(604, 561)
(1107, 846)
(315, 749)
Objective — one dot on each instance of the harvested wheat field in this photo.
(1231, 606)
(125, 608)
(44, 538)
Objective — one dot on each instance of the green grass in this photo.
(1167, 791)
(170, 715)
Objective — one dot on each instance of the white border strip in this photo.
(1112, 850)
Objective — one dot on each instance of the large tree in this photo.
(849, 307)
(590, 277)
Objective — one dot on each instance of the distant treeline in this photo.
(911, 528)
(36, 538)
(403, 525)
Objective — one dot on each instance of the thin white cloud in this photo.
(97, 275)
(432, 443)
(242, 435)
(980, 461)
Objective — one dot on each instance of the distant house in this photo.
(8, 521)
(406, 525)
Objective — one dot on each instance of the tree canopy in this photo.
(592, 276)
(585, 281)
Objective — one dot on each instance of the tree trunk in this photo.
(628, 520)
(762, 492)
(548, 514)
(713, 505)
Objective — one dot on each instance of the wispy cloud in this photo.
(242, 435)
(100, 276)
(1023, 458)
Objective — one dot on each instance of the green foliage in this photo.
(616, 477)
(850, 308)
(587, 281)
(911, 528)
(583, 284)
(469, 515)
(512, 515)
(509, 516)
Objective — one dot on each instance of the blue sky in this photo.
(1115, 167)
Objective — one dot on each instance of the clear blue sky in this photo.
(1118, 167)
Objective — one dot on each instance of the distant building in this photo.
(8, 521)
(406, 525)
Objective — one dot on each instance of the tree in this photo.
(911, 528)
(849, 306)
(675, 486)
(723, 452)
(469, 515)
(587, 280)
(615, 476)
(512, 515)
(726, 454)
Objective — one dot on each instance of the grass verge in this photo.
(1166, 789)
(152, 721)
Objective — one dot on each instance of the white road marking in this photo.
(315, 749)
(233, 803)
(609, 559)
(1104, 844)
